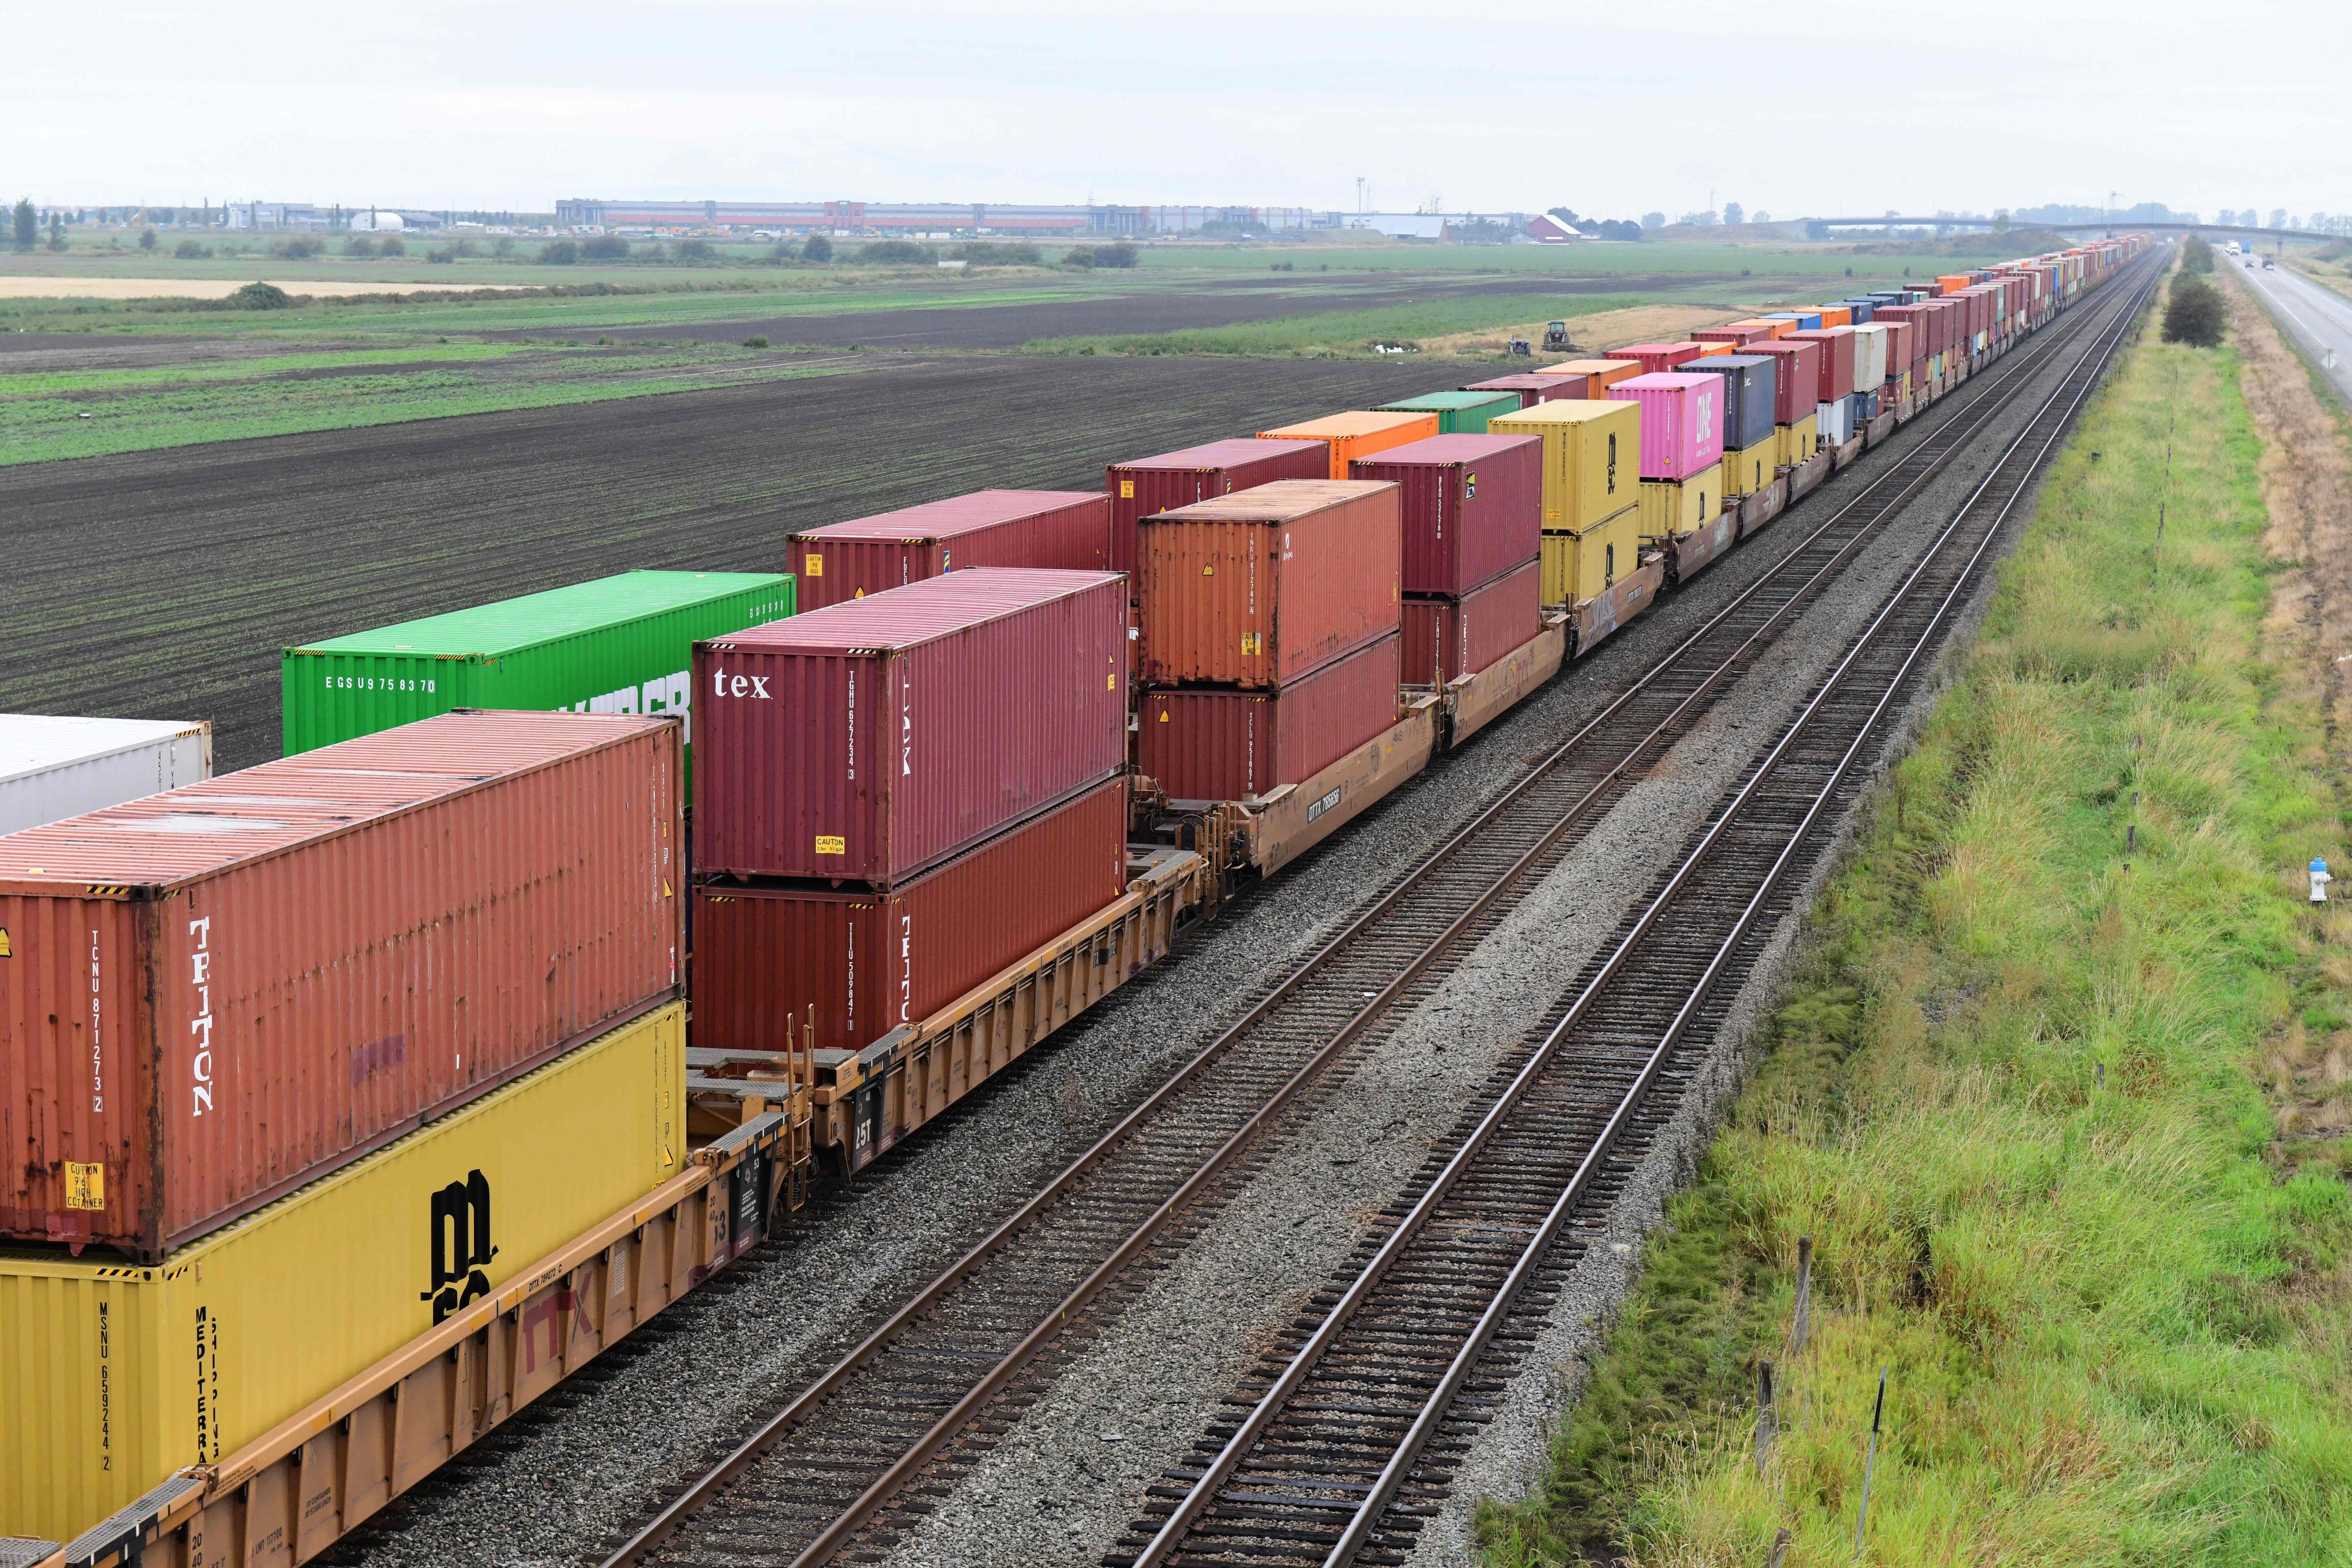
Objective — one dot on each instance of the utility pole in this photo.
(1363, 194)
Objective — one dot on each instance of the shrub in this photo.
(502, 248)
(816, 248)
(2196, 256)
(755, 342)
(146, 239)
(258, 297)
(391, 245)
(2194, 314)
(698, 251)
(989, 253)
(1081, 258)
(446, 255)
(359, 247)
(1120, 254)
(189, 250)
(605, 248)
(296, 249)
(897, 253)
(558, 252)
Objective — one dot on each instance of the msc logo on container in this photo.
(672, 694)
(460, 1245)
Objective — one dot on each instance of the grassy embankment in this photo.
(2065, 1120)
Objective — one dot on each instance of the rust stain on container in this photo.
(223, 990)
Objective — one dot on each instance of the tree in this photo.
(29, 224)
(1734, 213)
(816, 248)
(1565, 215)
(1653, 220)
(359, 247)
(2196, 256)
(147, 238)
(1080, 257)
(56, 231)
(605, 248)
(559, 253)
(1115, 256)
(2194, 315)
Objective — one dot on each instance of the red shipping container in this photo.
(1472, 506)
(1837, 361)
(1682, 422)
(869, 740)
(216, 994)
(1899, 334)
(1179, 479)
(1206, 744)
(1742, 336)
(1062, 530)
(1533, 388)
(1256, 588)
(1656, 358)
(1796, 378)
(1453, 636)
(870, 961)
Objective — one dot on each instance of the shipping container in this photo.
(1749, 405)
(1204, 744)
(1655, 358)
(1737, 334)
(1471, 506)
(1591, 458)
(1582, 564)
(1533, 387)
(1601, 374)
(1834, 421)
(1748, 469)
(1872, 357)
(1447, 637)
(872, 739)
(1458, 412)
(1777, 327)
(622, 644)
(1837, 316)
(1708, 348)
(117, 1376)
(1172, 480)
(1059, 530)
(1837, 361)
(1359, 433)
(217, 994)
(1682, 422)
(52, 765)
(1256, 588)
(1799, 438)
(1860, 312)
(1953, 284)
(1669, 509)
(1796, 379)
(860, 963)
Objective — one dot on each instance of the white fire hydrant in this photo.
(2319, 879)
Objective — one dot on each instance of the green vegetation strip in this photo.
(2011, 1095)
(1352, 332)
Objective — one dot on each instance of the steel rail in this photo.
(1251, 1428)
(1953, 435)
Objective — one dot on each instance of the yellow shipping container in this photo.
(1671, 507)
(114, 1375)
(1578, 565)
(1797, 441)
(1591, 457)
(1357, 433)
(1747, 472)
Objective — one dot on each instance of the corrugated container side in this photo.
(1447, 637)
(1472, 506)
(869, 740)
(1458, 412)
(53, 766)
(1358, 433)
(1058, 530)
(869, 962)
(1581, 566)
(1599, 373)
(220, 993)
(1591, 457)
(1172, 480)
(1837, 361)
(119, 1377)
(1207, 744)
(1657, 358)
(1532, 388)
(1257, 588)
(1682, 422)
(1747, 395)
(1796, 381)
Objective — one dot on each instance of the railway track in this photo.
(892, 1422)
(1347, 1432)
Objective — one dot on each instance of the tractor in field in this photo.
(1556, 338)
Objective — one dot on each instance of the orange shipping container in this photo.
(1778, 329)
(1954, 284)
(1604, 373)
(1357, 433)
(219, 993)
(1256, 588)
(1836, 315)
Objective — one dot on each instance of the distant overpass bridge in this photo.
(2110, 225)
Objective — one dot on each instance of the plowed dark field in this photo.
(163, 583)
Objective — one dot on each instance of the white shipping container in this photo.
(1832, 424)
(1874, 367)
(53, 767)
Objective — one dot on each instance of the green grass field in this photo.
(2013, 1098)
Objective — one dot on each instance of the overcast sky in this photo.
(1612, 108)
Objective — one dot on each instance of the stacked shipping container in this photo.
(1472, 517)
(1064, 531)
(1591, 496)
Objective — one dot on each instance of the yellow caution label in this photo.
(817, 566)
(1127, 489)
(1210, 570)
(826, 843)
(665, 893)
(1110, 683)
(85, 1187)
(1252, 643)
(1163, 715)
(5, 950)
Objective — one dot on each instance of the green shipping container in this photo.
(1458, 412)
(618, 645)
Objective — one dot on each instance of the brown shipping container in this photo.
(1836, 379)
(869, 740)
(1230, 746)
(1471, 507)
(869, 962)
(1062, 530)
(1256, 588)
(1534, 388)
(218, 992)
(1447, 637)
(1796, 377)
(1220, 468)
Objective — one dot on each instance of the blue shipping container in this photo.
(1747, 391)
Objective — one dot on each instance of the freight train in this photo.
(302, 1056)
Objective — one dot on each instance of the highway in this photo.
(2317, 319)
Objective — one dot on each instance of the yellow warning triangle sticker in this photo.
(665, 893)
(6, 951)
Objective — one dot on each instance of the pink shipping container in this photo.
(1472, 506)
(1206, 744)
(1220, 468)
(869, 962)
(867, 740)
(1837, 360)
(1682, 422)
(1062, 530)
(1448, 638)
(1256, 588)
(216, 994)
(1657, 358)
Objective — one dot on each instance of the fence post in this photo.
(1801, 1325)
(1870, 1465)
(1765, 1424)
(1781, 1539)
